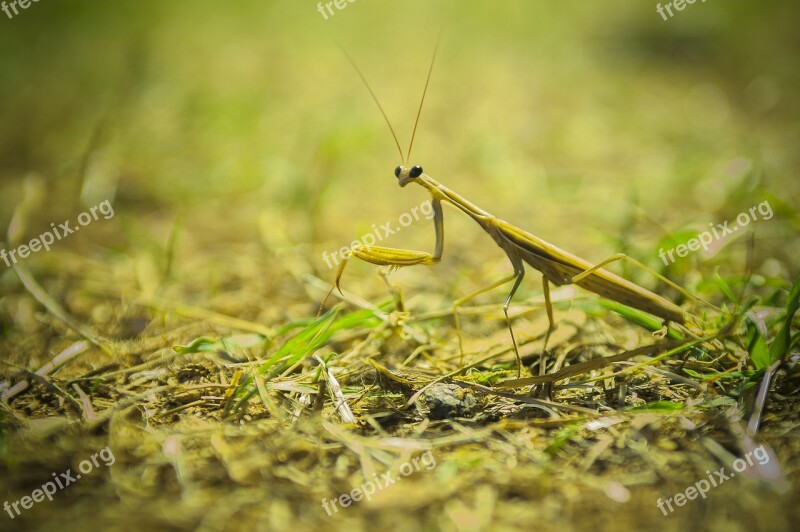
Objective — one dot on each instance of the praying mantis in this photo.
(556, 265)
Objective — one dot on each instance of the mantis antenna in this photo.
(424, 92)
(375, 98)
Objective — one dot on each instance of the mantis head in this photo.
(406, 174)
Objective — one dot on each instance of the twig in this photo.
(336, 391)
(761, 399)
(59, 360)
(460, 370)
(582, 367)
(57, 390)
(86, 403)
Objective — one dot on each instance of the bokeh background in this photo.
(237, 145)
(586, 125)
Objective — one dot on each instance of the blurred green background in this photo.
(597, 126)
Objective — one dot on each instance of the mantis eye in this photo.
(416, 171)
(397, 171)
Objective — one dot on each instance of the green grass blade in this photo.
(783, 342)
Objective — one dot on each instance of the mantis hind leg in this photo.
(551, 324)
(460, 301)
(628, 258)
(519, 271)
(517, 276)
(680, 289)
